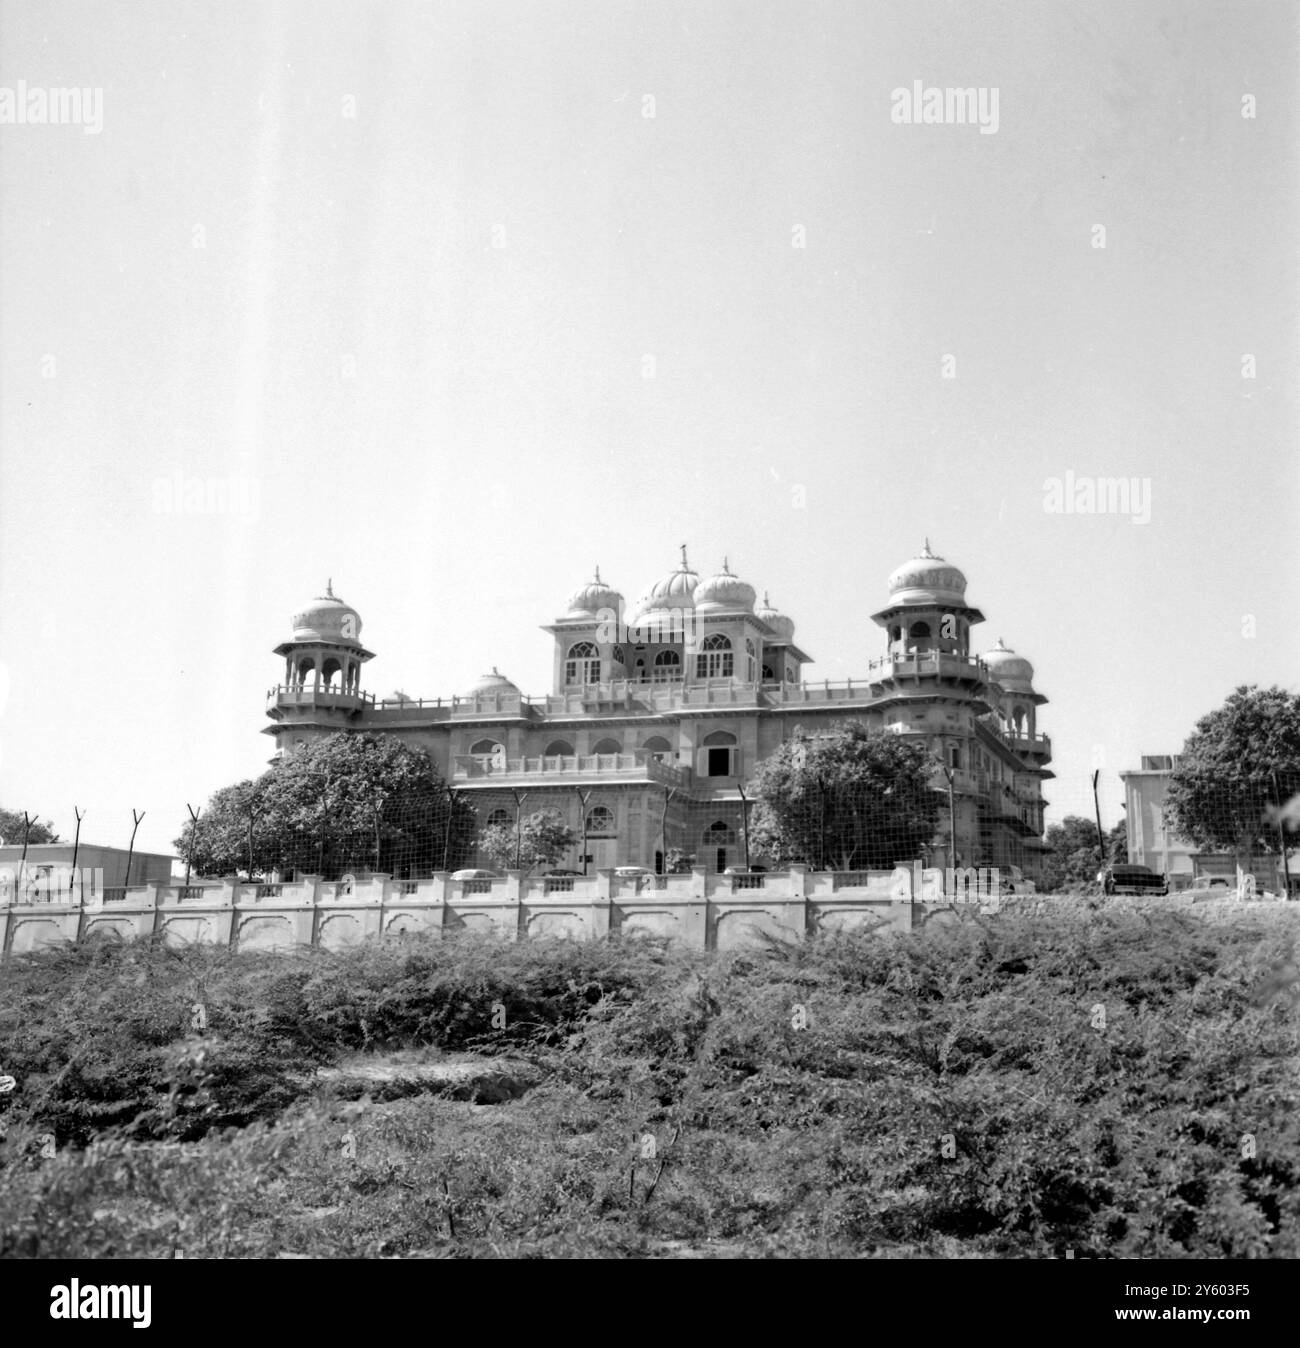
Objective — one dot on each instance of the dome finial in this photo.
(927, 552)
(685, 564)
(329, 588)
(726, 570)
(598, 579)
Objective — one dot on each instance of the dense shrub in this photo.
(1117, 1082)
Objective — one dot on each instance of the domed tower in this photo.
(782, 659)
(724, 594)
(587, 649)
(927, 608)
(668, 600)
(322, 669)
(1017, 703)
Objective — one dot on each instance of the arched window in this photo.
(668, 667)
(954, 756)
(330, 674)
(751, 661)
(768, 676)
(607, 746)
(790, 675)
(491, 755)
(718, 834)
(719, 754)
(617, 655)
(559, 749)
(305, 667)
(715, 660)
(600, 820)
(500, 819)
(583, 664)
(921, 630)
(659, 748)
(1018, 719)
(895, 633)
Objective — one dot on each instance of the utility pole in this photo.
(520, 797)
(1101, 841)
(189, 851)
(130, 851)
(446, 830)
(76, 845)
(1281, 839)
(744, 823)
(952, 819)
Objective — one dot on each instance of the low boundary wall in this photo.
(713, 912)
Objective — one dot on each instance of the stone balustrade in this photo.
(704, 909)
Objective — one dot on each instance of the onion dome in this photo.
(1012, 671)
(496, 682)
(328, 618)
(782, 627)
(592, 598)
(676, 590)
(724, 593)
(927, 579)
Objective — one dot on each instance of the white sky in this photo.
(498, 435)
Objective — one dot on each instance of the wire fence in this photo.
(957, 821)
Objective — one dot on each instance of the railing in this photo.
(270, 891)
(739, 882)
(408, 886)
(638, 763)
(1034, 744)
(476, 886)
(305, 695)
(927, 662)
(559, 884)
(188, 893)
(114, 894)
(850, 879)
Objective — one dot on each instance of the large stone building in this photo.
(661, 711)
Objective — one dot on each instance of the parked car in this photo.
(632, 872)
(472, 874)
(563, 872)
(745, 870)
(1133, 880)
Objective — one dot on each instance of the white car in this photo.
(474, 875)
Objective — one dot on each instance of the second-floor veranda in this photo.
(657, 692)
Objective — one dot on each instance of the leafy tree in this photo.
(342, 802)
(541, 838)
(1073, 861)
(677, 861)
(1241, 760)
(855, 798)
(1117, 843)
(11, 829)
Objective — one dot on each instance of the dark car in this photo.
(1133, 880)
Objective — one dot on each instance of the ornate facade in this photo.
(660, 711)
